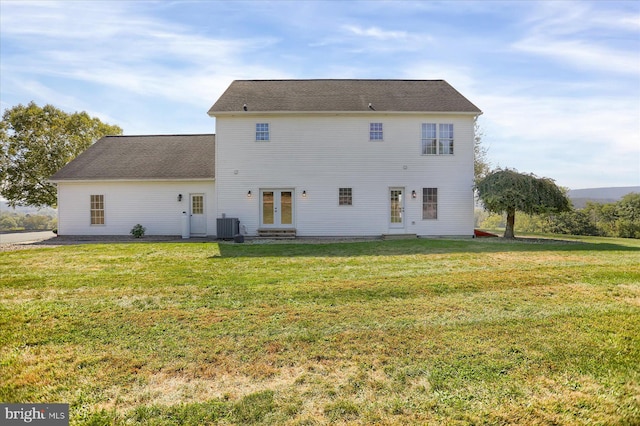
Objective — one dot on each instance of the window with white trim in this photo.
(97, 210)
(429, 139)
(262, 131)
(375, 132)
(429, 203)
(437, 139)
(345, 197)
(445, 144)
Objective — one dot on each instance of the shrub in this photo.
(138, 231)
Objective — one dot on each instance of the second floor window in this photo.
(445, 145)
(262, 131)
(375, 131)
(429, 139)
(437, 139)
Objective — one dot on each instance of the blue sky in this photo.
(558, 81)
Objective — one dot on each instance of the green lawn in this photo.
(383, 332)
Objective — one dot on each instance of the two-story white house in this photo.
(299, 157)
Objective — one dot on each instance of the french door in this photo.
(276, 208)
(396, 211)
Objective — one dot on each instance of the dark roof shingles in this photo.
(144, 157)
(342, 96)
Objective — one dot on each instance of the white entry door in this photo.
(276, 208)
(198, 218)
(396, 211)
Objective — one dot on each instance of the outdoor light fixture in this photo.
(413, 194)
(179, 197)
(304, 194)
(248, 194)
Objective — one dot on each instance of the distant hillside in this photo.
(580, 197)
(27, 210)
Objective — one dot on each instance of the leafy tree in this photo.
(629, 207)
(8, 223)
(35, 143)
(603, 216)
(481, 166)
(628, 210)
(574, 222)
(506, 190)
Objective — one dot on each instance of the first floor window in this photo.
(345, 197)
(97, 209)
(429, 203)
(262, 131)
(375, 131)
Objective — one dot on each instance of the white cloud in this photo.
(577, 142)
(80, 42)
(582, 54)
(583, 36)
(362, 39)
(376, 33)
(138, 65)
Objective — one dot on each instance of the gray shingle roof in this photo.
(144, 157)
(342, 96)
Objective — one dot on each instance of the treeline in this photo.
(620, 219)
(15, 221)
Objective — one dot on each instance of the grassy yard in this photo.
(382, 332)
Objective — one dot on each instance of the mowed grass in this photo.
(380, 332)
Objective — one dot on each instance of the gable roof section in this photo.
(162, 157)
(342, 96)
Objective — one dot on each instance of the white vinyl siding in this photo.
(154, 205)
(320, 153)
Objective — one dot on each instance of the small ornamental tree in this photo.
(506, 190)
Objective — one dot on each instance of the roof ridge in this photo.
(160, 135)
(343, 79)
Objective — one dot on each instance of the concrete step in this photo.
(277, 233)
(399, 236)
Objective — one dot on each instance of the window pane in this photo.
(197, 204)
(446, 139)
(96, 210)
(429, 203)
(446, 147)
(428, 130)
(429, 139)
(267, 207)
(375, 131)
(396, 205)
(446, 131)
(429, 146)
(345, 197)
(286, 208)
(262, 131)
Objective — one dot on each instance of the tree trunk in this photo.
(511, 220)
